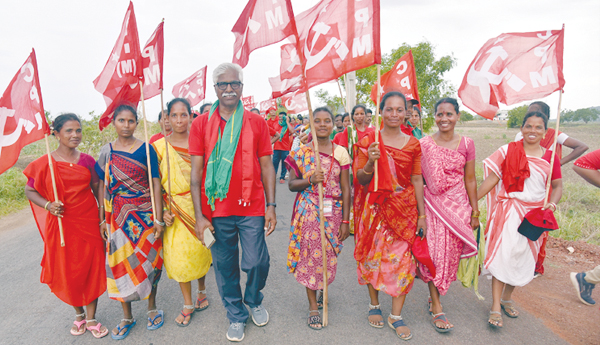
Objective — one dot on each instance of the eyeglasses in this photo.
(234, 85)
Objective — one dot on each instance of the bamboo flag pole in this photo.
(321, 213)
(549, 182)
(150, 183)
(162, 109)
(376, 175)
(53, 177)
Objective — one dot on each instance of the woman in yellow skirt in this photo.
(185, 257)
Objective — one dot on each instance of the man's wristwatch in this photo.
(271, 204)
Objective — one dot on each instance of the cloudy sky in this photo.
(74, 38)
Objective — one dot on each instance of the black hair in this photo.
(300, 117)
(60, 121)
(369, 111)
(282, 113)
(356, 107)
(344, 116)
(448, 100)
(160, 115)
(339, 115)
(415, 108)
(255, 109)
(389, 95)
(325, 109)
(543, 106)
(125, 107)
(536, 114)
(179, 100)
(202, 111)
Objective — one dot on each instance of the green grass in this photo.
(12, 191)
(578, 213)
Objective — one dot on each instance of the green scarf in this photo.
(220, 161)
(284, 127)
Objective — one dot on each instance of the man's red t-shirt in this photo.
(285, 143)
(271, 123)
(230, 206)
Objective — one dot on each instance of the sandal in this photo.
(160, 314)
(495, 319)
(127, 328)
(182, 324)
(440, 317)
(374, 310)
(79, 325)
(397, 324)
(314, 321)
(200, 301)
(99, 334)
(508, 307)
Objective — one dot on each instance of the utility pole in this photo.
(350, 90)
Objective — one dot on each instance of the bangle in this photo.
(422, 217)
(345, 222)
(553, 205)
(45, 206)
(309, 180)
(160, 223)
(368, 173)
(102, 222)
(475, 214)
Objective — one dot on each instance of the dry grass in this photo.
(579, 209)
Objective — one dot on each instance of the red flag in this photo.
(127, 95)
(263, 22)
(248, 102)
(335, 37)
(124, 66)
(22, 116)
(402, 78)
(295, 102)
(152, 63)
(193, 88)
(512, 68)
(266, 105)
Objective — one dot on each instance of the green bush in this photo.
(516, 116)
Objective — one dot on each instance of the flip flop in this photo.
(440, 317)
(199, 301)
(160, 314)
(184, 316)
(97, 329)
(119, 336)
(79, 325)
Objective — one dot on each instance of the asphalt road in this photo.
(31, 314)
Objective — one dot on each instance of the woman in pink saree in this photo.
(448, 165)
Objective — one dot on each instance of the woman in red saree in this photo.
(448, 164)
(387, 218)
(74, 273)
(351, 135)
(515, 183)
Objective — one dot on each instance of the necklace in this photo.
(66, 161)
(132, 146)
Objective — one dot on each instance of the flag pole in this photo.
(376, 175)
(167, 144)
(150, 183)
(53, 177)
(321, 214)
(549, 182)
(341, 94)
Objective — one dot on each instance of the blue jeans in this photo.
(280, 156)
(226, 262)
